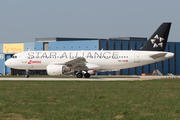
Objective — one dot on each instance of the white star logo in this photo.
(157, 41)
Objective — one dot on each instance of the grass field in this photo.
(66, 100)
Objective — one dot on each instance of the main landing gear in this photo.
(80, 75)
(27, 74)
(87, 75)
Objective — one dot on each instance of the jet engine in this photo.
(57, 69)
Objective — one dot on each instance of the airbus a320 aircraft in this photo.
(81, 63)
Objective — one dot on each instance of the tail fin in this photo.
(157, 42)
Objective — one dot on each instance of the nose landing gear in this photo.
(27, 74)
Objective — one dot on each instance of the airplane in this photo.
(82, 63)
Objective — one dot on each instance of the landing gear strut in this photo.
(27, 74)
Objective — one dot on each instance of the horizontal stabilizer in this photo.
(158, 55)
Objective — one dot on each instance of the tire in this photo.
(79, 75)
(26, 76)
(87, 75)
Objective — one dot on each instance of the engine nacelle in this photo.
(57, 69)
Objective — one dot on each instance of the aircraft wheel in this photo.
(26, 76)
(79, 75)
(87, 75)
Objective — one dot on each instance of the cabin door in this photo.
(136, 57)
(24, 58)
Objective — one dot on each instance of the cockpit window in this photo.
(14, 57)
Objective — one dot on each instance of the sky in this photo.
(26, 20)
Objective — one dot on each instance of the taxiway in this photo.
(93, 79)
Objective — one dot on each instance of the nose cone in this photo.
(7, 63)
(11, 63)
(169, 55)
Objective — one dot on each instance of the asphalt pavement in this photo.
(93, 79)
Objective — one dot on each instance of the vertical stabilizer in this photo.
(157, 42)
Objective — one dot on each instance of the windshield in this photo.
(14, 56)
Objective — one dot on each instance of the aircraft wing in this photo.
(158, 55)
(79, 63)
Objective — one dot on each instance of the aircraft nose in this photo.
(7, 63)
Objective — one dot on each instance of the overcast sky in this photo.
(25, 20)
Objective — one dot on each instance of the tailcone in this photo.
(169, 55)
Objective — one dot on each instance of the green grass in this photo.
(77, 100)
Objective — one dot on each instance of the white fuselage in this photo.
(106, 59)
